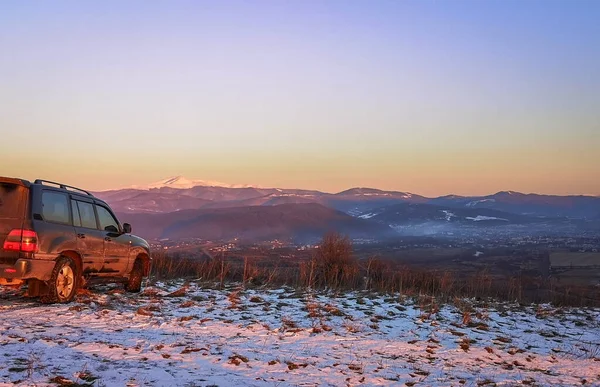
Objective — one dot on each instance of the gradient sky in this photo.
(431, 97)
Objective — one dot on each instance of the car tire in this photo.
(63, 282)
(134, 284)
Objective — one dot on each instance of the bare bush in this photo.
(334, 265)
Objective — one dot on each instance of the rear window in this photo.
(55, 207)
(12, 200)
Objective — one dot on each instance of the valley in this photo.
(506, 235)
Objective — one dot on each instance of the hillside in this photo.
(286, 221)
(528, 204)
(408, 213)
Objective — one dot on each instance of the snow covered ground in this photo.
(200, 337)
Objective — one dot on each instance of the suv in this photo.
(55, 238)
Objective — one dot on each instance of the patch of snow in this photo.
(368, 216)
(478, 253)
(476, 202)
(479, 218)
(286, 337)
(293, 195)
(449, 215)
(355, 212)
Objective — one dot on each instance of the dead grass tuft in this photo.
(237, 359)
(181, 292)
(187, 304)
(144, 311)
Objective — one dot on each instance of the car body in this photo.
(56, 238)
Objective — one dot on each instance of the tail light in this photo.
(21, 240)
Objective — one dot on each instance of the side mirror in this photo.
(126, 228)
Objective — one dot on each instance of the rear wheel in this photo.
(63, 282)
(134, 284)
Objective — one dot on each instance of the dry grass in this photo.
(333, 266)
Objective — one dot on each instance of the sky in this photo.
(429, 97)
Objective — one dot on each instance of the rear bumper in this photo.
(27, 269)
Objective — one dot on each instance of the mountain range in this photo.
(183, 208)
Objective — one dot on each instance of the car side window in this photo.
(55, 207)
(75, 212)
(87, 215)
(107, 220)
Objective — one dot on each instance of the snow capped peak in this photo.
(181, 182)
(507, 193)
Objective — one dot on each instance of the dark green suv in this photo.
(56, 238)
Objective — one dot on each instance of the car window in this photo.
(55, 207)
(75, 211)
(12, 200)
(107, 221)
(87, 215)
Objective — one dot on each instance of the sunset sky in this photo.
(431, 97)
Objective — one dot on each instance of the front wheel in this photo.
(63, 282)
(134, 284)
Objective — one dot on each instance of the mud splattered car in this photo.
(56, 238)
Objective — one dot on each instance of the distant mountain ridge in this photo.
(179, 193)
(180, 207)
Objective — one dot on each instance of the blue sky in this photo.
(433, 97)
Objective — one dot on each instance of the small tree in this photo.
(334, 264)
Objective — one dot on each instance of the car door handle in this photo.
(81, 236)
(108, 239)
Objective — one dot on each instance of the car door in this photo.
(116, 243)
(90, 240)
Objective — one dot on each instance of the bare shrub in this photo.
(334, 265)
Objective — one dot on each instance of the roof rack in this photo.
(62, 186)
